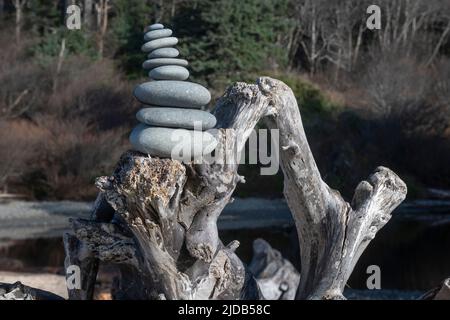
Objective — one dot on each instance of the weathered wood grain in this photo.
(164, 223)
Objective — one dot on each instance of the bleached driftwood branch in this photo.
(332, 233)
(277, 278)
(167, 212)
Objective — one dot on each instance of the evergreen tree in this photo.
(232, 38)
(44, 16)
(131, 17)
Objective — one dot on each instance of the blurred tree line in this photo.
(368, 97)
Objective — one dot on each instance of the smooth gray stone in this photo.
(180, 144)
(154, 26)
(156, 34)
(159, 43)
(172, 93)
(169, 73)
(153, 63)
(177, 118)
(164, 53)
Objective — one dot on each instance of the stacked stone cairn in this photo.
(172, 105)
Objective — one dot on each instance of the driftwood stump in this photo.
(157, 218)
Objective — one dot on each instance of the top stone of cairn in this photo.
(155, 26)
(170, 89)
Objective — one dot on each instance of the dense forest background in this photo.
(368, 97)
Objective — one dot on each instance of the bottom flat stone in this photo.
(179, 144)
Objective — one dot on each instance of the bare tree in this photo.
(334, 31)
(344, 37)
(15, 108)
(102, 8)
(20, 90)
(17, 148)
(405, 21)
(442, 38)
(442, 18)
(395, 85)
(311, 16)
(19, 5)
(62, 52)
(329, 31)
(173, 8)
(88, 13)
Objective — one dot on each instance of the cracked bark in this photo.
(164, 229)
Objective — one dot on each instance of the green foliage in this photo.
(229, 38)
(44, 16)
(127, 31)
(225, 41)
(44, 23)
(49, 46)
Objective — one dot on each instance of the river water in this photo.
(412, 250)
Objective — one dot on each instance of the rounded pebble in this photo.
(157, 34)
(159, 43)
(177, 118)
(164, 53)
(169, 73)
(179, 144)
(153, 63)
(154, 26)
(172, 93)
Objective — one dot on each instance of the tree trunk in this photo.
(173, 8)
(438, 46)
(102, 8)
(59, 64)
(18, 5)
(164, 229)
(88, 14)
